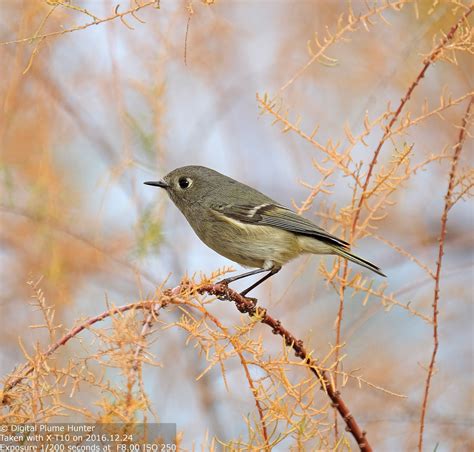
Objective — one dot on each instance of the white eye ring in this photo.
(185, 182)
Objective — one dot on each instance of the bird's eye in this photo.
(184, 182)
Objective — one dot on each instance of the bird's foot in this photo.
(251, 299)
(223, 294)
(224, 281)
(252, 309)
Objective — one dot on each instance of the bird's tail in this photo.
(358, 260)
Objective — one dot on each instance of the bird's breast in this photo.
(247, 244)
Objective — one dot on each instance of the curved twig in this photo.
(442, 236)
(245, 366)
(73, 332)
(387, 133)
(427, 63)
(244, 305)
(97, 21)
(247, 306)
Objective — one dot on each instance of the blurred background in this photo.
(88, 115)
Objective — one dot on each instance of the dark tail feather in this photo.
(358, 260)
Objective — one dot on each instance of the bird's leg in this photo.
(227, 281)
(270, 273)
(244, 293)
(243, 275)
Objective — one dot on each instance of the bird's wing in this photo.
(279, 217)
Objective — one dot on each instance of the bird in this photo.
(246, 226)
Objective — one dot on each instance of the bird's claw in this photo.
(226, 281)
(252, 300)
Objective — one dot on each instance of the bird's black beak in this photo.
(159, 183)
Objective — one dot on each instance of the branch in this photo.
(427, 63)
(153, 307)
(353, 22)
(244, 305)
(28, 368)
(244, 363)
(387, 133)
(444, 219)
(247, 306)
(96, 21)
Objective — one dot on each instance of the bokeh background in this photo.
(87, 116)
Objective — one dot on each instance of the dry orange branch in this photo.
(448, 203)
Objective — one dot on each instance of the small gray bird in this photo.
(246, 226)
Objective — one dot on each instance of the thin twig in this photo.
(427, 63)
(244, 363)
(249, 307)
(144, 332)
(387, 132)
(444, 219)
(191, 12)
(135, 374)
(353, 22)
(116, 15)
(27, 369)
